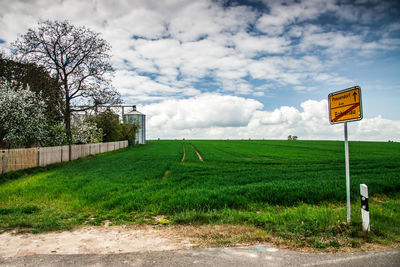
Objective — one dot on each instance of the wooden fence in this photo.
(23, 158)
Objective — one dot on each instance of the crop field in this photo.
(291, 189)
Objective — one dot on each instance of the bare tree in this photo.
(78, 58)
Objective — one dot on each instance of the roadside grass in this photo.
(321, 226)
(293, 192)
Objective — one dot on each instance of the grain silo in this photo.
(133, 116)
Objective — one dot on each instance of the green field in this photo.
(291, 189)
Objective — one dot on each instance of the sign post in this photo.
(345, 106)
(346, 156)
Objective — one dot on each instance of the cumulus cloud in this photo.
(377, 128)
(213, 116)
(203, 111)
(282, 14)
(181, 42)
(255, 45)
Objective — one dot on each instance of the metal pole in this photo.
(346, 153)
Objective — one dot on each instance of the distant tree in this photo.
(129, 131)
(22, 118)
(78, 58)
(39, 81)
(109, 122)
(289, 137)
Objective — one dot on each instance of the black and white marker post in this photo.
(364, 207)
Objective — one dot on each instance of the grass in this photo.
(292, 190)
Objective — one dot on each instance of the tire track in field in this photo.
(165, 174)
(182, 160)
(184, 153)
(197, 152)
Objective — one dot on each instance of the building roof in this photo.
(133, 112)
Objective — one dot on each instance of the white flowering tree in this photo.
(84, 132)
(22, 116)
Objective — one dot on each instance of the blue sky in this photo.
(241, 69)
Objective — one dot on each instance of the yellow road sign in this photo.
(345, 105)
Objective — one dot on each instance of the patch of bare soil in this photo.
(93, 240)
(140, 238)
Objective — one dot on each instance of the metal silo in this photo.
(133, 116)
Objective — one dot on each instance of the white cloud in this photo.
(136, 88)
(213, 116)
(194, 22)
(254, 45)
(285, 69)
(184, 41)
(203, 111)
(283, 115)
(331, 78)
(377, 129)
(332, 42)
(139, 22)
(282, 14)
